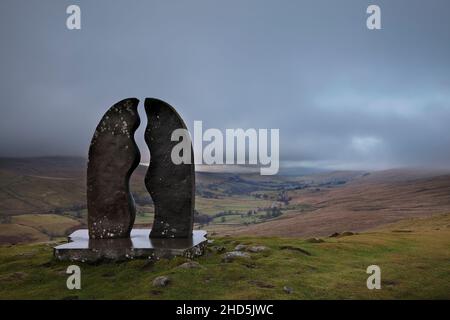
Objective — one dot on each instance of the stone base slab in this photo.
(138, 246)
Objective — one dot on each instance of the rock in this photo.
(171, 186)
(210, 241)
(190, 265)
(256, 249)
(113, 156)
(314, 240)
(161, 281)
(240, 247)
(233, 255)
(219, 249)
(334, 235)
(288, 290)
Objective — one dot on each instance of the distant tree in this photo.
(202, 218)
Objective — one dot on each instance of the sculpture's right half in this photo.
(171, 185)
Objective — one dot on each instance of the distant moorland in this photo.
(319, 233)
(45, 198)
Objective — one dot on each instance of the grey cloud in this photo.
(339, 94)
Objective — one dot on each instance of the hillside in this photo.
(365, 202)
(401, 216)
(43, 185)
(44, 198)
(413, 256)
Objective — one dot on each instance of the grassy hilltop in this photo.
(396, 213)
(413, 254)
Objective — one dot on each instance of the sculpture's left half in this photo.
(113, 156)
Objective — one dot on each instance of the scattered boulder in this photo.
(334, 235)
(288, 290)
(314, 240)
(190, 265)
(219, 249)
(256, 249)
(233, 255)
(240, 247)
(161, 281)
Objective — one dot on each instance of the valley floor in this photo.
(413, 255)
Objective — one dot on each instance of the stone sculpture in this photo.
(171, 186)
(113, 156)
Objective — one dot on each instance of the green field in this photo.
(414, 257)
(240, 203)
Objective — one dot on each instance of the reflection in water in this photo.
(139, 239)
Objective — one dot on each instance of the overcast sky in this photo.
(342, 96)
